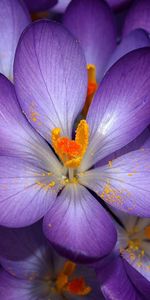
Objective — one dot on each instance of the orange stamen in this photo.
(70, 151)
(92, 87)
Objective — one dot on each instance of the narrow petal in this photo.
(26, 191)
(76, 225)
(98, 34)
(124, 182)
(142, 283)
(138, 17)
(50, 77)
(115, 283)
(15, 289)
(14, 18)
(39, 5)
(134, 40)
(119, 113)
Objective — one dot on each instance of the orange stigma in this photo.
(75, 286)
(92, 87)
(70, 151)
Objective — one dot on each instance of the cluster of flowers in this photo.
(74, 151)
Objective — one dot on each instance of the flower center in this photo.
(136, 244)
(92, 87)
(70, 151)
(75, 286)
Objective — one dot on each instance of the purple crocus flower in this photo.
(98, 36)
(33, 270)
(138, 17)
(51, 85)
(14, 17)
(130, 262)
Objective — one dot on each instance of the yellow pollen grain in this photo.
(130, 174)
(34, 116)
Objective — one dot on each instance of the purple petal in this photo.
(142, 284)
(13, 19)
(26, 191)
(142, 141)
(39, 5)
(124, 182)
(115, 283)
(138, 17)
(61, 6)
(76, 225)
(50, 77)
(119, 112)
(98, 34)
(18, 138)
(15, 289)
(24, 252)
(135, 40)
(118, 4)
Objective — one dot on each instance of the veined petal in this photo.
(134, 40)
(39, 5)
(76, 225)
(138, 17)
(24, 252)
(14, 17)
(50, 77)
(26, 191)
(119, 113)
(115, 283)
(15, 289)
(18, 138)
(123, 182)
(142, 283)
(98, 34)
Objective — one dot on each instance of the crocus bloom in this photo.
(51, 86)
(131, 258)
(33, 270)
(98, 39)
(138, 17)
(14, 17)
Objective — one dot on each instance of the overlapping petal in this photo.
(39, 5)
(123, 182)
(18, 138)
(50, 77)
(118, 4)
(14, 18)
(134, 40)
(115, 283)
(26, 191)
(24, 252)
(98, 34)
(138, 17)
(15, 289)
(120, 110)
(76, 225)
(141, 282)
